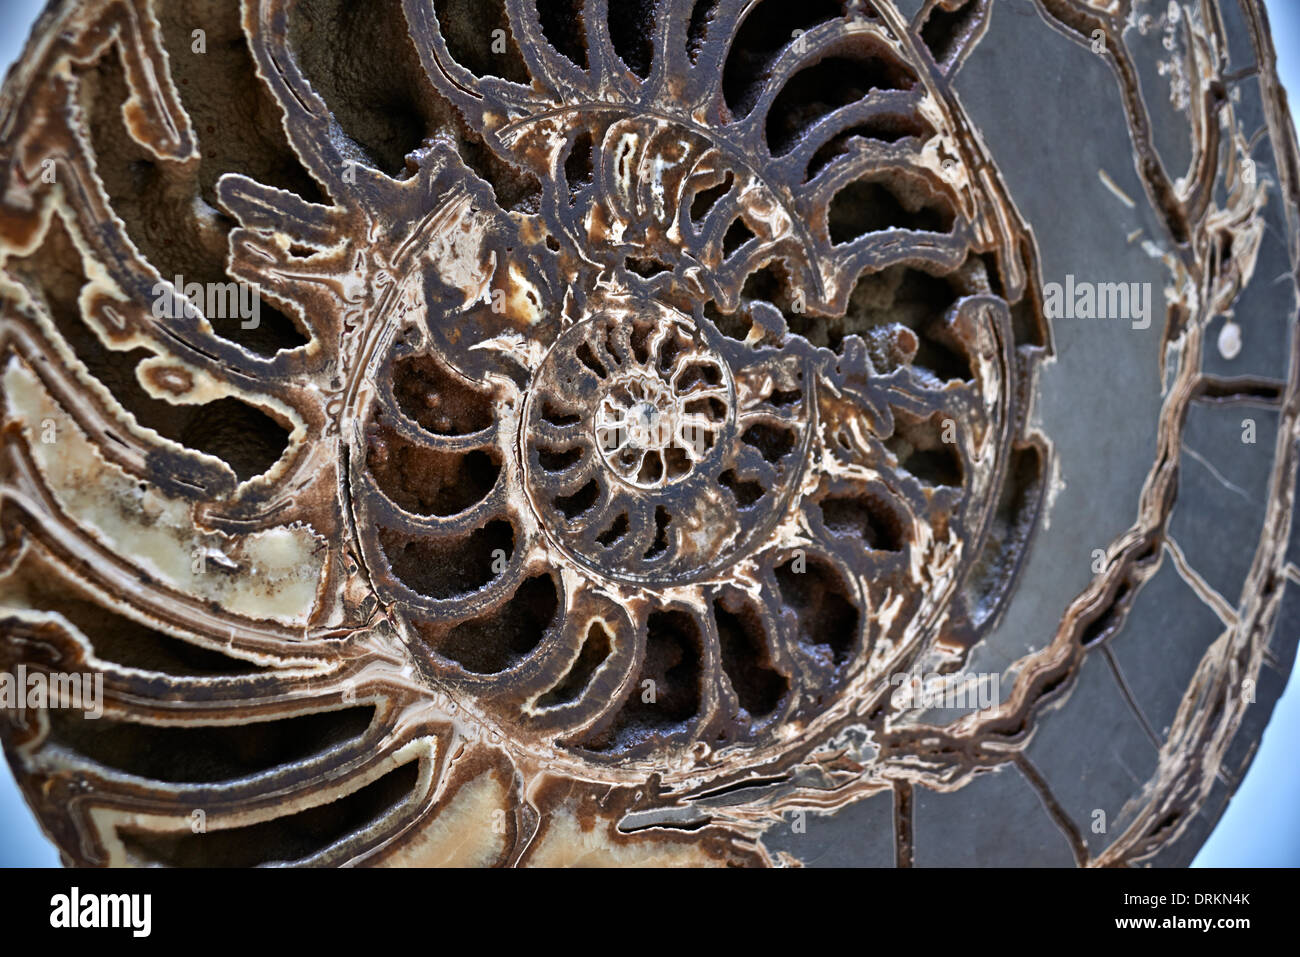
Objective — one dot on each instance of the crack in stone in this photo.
(1211, 598)
(1218, 476)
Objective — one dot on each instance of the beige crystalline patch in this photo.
(271, 574)
(462, 835)
(567, 843)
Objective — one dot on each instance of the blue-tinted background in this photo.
(1260, 828)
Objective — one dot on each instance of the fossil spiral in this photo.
(545, 431)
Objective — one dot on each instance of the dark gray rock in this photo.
(995, 821)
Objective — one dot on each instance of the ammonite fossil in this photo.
(644, 431)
